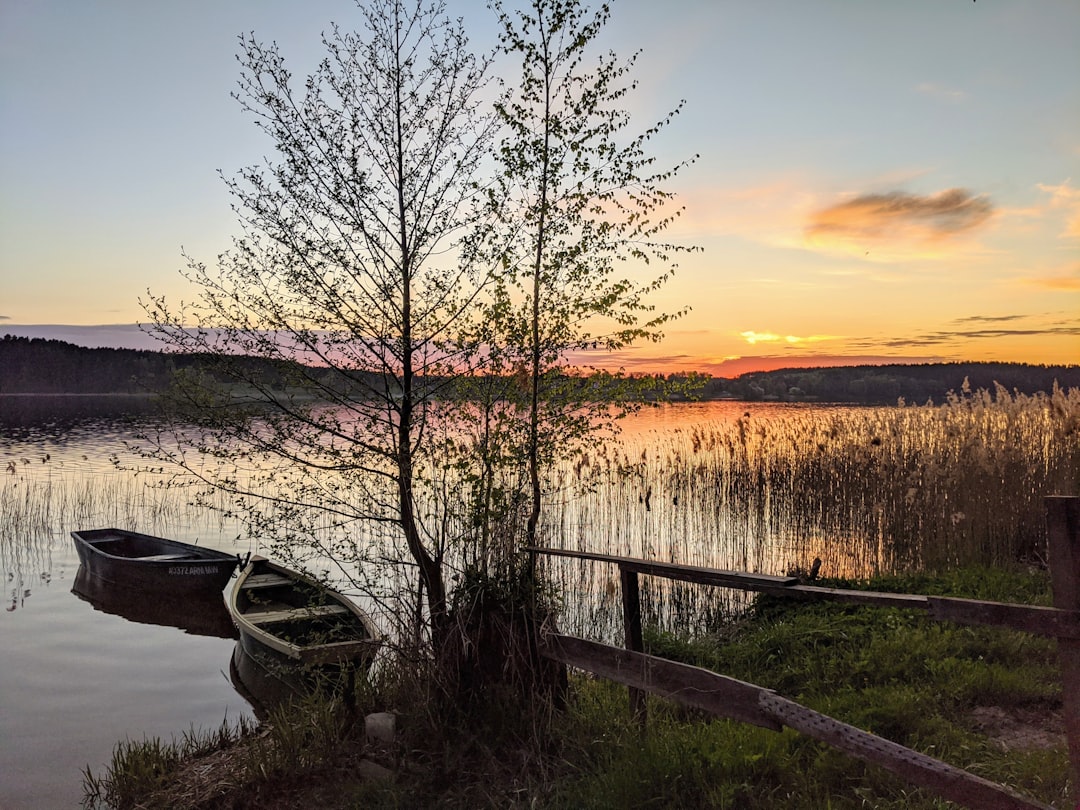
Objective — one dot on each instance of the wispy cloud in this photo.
(990, 318)
(1064, 196)
(950, 336)
(896, 220)
(940, 92)
(754, 338)
(1066, 279)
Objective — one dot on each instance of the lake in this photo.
(750, 486)
(75, 679)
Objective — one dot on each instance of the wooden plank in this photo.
(631, 601)
(683, 573)
(945, 780)
(872, 598)
(1044, 621)
(311, 612)
(682, 683)
(1047, 621)
(257, 581)
(1063, 541)
(340, 652)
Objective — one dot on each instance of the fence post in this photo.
(631, 602)
(1063, 542)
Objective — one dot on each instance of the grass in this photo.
(867, 490)
(231, 766)
(890, 671)
(928, 685)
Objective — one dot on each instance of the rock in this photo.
(373, 771)
(380, 727)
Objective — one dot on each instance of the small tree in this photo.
(576, 198)
(350, 275)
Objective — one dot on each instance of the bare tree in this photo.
(352, 276)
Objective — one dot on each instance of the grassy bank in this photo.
(985, 699)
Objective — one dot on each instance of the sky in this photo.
(876, 181)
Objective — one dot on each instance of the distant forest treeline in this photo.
(885, 385)
(39, 366)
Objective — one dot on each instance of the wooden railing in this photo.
(748, 703)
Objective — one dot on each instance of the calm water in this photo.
(74, 679)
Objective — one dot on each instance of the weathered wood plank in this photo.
(1063, 540)
(872, 598)
(1044, 621)
(631, 601)
(683, 683)
(257, 581)
(309, 612)
(1047, 621)
(683, 573)
(945, 780)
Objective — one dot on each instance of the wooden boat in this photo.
(143, 562)
(197, 613)
(296, 633)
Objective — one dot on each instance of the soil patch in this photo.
(1020, 729)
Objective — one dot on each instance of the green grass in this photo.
(890, 671)
(893, 672)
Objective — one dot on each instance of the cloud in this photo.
(1065, 279)
(950, 336)
(897, 220)
(754, 338)
(990, 318)
(940, 92)
(1064, 196)
(5, 317)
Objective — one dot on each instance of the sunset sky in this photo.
(877, 181)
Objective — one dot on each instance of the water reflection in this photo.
(41, 414)
(194, 613)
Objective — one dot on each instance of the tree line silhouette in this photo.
(42, 366)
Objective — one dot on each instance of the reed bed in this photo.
(867, 490)
(39, 507)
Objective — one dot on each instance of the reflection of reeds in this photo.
(40, 506)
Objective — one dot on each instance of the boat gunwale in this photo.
(203, 554)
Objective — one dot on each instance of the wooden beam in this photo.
(1044, 621)
(683, 573)
(872, 598)
(945, 780)
(631, 600)
(748, 703)
(1063, 542)
(682, 683)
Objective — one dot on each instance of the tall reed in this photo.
(867, 490)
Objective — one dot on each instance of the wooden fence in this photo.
(748, 703)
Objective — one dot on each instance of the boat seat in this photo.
(256, 581)
(166, 557)
(268, 616)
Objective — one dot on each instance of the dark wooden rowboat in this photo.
(295, 633)
(142, 562)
